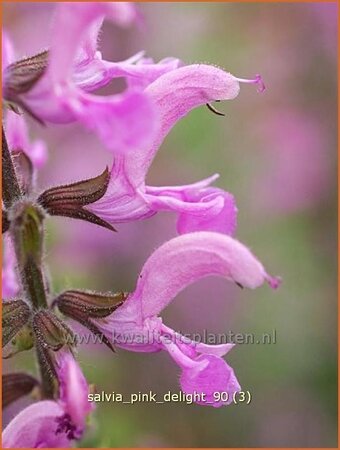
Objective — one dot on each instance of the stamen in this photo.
(214, 110)
(257, 80)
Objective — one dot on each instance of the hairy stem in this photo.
(33, 282)
(31, 273)
(10, 186)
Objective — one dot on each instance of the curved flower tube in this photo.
(53, 424)
(136, 325)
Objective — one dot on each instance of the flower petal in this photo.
(72, 59)
(73, 390)
(207, 377)
(176, 93)
(208, 209)
(36, 426)
(75, 23)
(191, 348)
(187, 258)
(123, 122)
(145, 71)
(217, 381)
(7, 51)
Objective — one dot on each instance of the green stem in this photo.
(33, 282)
(31, 273)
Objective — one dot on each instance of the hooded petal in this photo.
(73, 390)
(215, 378)
(175, 94)
(36, 427)
(187, 258)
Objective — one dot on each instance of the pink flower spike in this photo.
(257, 80)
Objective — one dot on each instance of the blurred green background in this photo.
(276, 152)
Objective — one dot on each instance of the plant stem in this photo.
(10, 186)
(33, 282)
(31, 273)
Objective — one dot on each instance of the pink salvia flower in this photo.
(136, 325)
(73, 392)
(36, 427)
(75, 67)
(53, 424)
(199, 206)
